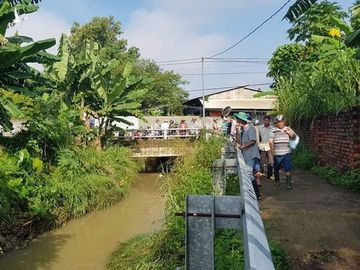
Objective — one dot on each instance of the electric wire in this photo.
(252, 32)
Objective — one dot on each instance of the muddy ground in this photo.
(317, 223)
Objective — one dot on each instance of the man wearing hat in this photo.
(279, 144)
(246, 142)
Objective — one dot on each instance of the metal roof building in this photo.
(239, 99)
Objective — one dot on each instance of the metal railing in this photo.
(257, 252)
(170, 133)
(203, 214)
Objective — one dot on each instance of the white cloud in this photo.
(41, 25)
(164, 35)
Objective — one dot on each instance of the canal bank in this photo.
(87, 242)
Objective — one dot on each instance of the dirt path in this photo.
(317, 223)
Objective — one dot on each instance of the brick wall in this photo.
(335, 139)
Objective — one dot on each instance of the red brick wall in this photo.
(335, 139)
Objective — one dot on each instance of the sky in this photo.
(166, 30)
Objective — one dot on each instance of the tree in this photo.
(15, 73)
(285, 60)
(105, 31)
(165, 96)
(90, 86)
(316, 20)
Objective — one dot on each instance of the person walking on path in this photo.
(267, 159)
(246, 142)
(279, 144)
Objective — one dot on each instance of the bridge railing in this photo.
(136, 134)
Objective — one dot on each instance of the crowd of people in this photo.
(266, 148)
(166, 128)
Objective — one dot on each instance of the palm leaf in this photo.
(297, 9)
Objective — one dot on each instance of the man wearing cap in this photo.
(246, 142)
(279, 144)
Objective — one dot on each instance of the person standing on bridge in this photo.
(246, 142)
(279, 144)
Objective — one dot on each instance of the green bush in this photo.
(349, 180)
(303, 157)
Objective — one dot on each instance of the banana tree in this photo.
(15, 73)
(90, 86)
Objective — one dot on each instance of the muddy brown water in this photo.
(87, 242)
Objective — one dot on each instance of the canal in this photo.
(87, 242)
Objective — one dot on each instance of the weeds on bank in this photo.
(304, 158)
(349, 180)
(83, 180)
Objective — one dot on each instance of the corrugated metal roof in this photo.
(256, 104)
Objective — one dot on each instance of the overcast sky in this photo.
(181, 29)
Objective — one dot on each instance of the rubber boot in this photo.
(277, 178)
(269, 171)
(256, 189)
(288, 182)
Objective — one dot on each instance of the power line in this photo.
(177, 60)
(223, 73)
(228, 87)
(252, 32)
(179, 63)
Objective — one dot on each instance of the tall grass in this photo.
(85, 179)
(327, 86)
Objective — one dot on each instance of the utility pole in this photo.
(202, 88)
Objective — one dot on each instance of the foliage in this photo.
(285, 60)
(298, 9)
(355, 15)
(303, 157)
(165, 94)
(105, 31)
(90, 85)
(232, 185)
(15, 73)
(316, 20)
(84, 179)
(349, 180)
(229, 250)
(327, 86)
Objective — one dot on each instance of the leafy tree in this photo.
(316, 20)
(105, 31)
(165, 96)
(285, 60)
(90, 86)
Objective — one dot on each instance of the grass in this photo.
(85, 179)
(303, 157)
(348, 180)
